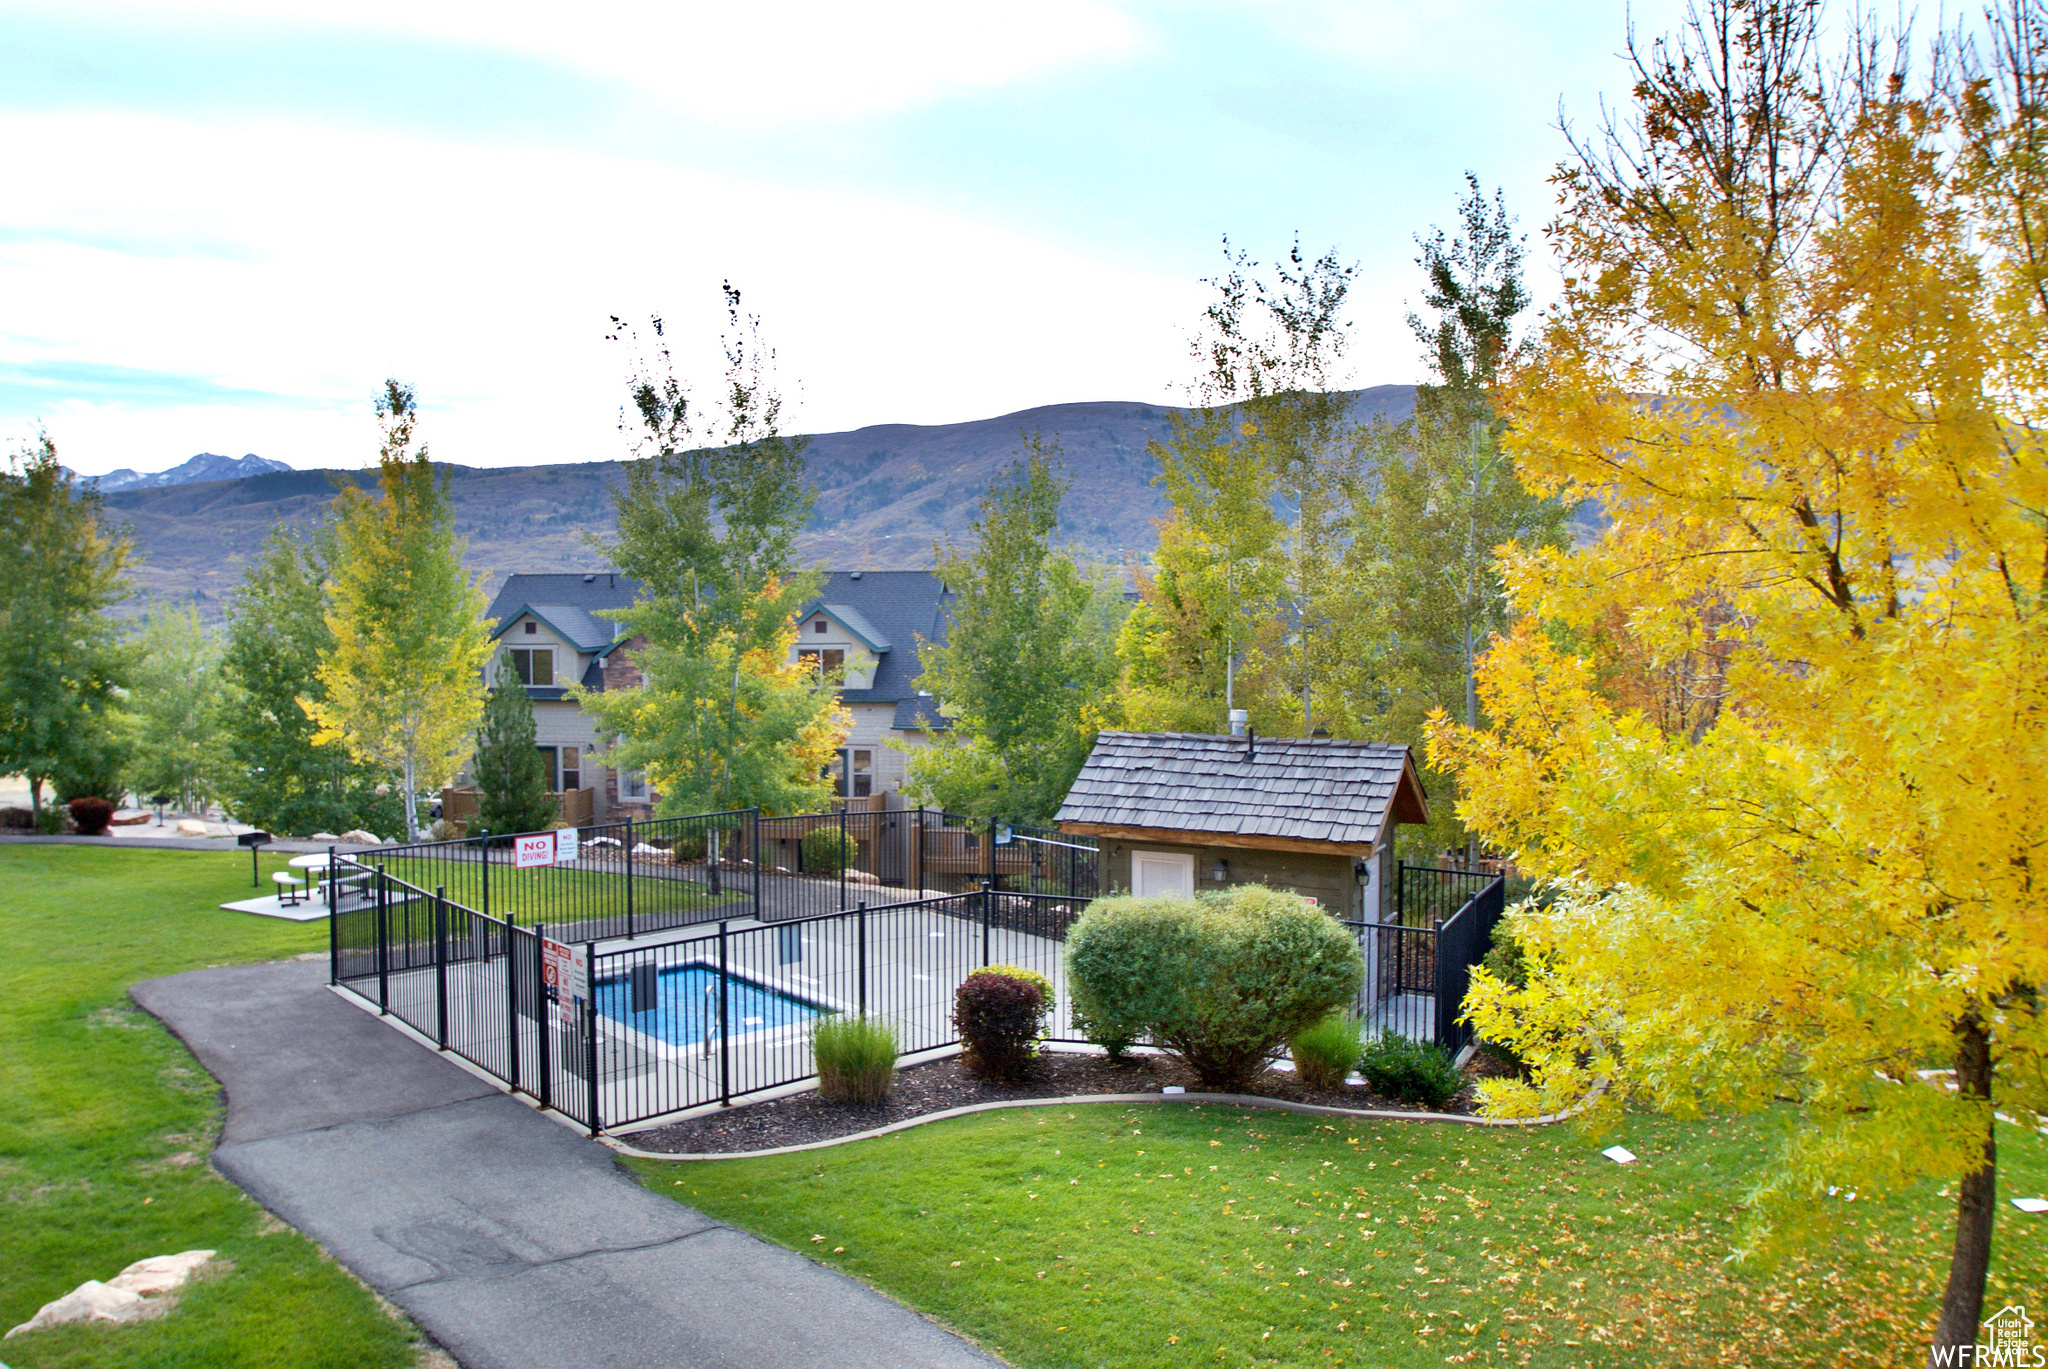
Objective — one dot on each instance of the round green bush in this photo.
(1409, 1071)
(824, 852)
(1221, 980)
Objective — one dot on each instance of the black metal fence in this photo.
(719, 1004)
(1419, 966)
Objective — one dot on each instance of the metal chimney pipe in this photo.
(1238, 718)
(1251, 744)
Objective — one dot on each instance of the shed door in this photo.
(1157, 873)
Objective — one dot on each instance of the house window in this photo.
(532, 628)
(632, 785)
(547, 765)
(534, 665)
(860, 776)
(823, 660)
(817, 624)
(572, 768)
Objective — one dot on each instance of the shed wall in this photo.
(1327, 879)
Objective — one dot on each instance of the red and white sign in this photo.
(564, 977)
(565, 845)
(538, 849)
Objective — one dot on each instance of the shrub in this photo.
(1327, 1050)
(1221, 981)
(1115, 1035)
(20, 819)
(856, 1059)
(91, 815)
(1411, 1071)
(999, 1018)
(824, 852)
(50, 820)
(1028, 976)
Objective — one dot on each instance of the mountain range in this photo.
(887, 496)
(205, 466)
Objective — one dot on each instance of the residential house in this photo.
(555, 630)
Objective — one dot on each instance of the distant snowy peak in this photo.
(205, 466)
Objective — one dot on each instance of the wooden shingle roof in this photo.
(1282, 791)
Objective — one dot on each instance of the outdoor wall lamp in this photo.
(1220, 871)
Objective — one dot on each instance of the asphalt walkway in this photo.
(514, 1242)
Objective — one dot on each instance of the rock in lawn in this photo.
(160, 1273)
(191, 827)
(132, 1295)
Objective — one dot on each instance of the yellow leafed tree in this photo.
(403, 681)
(1781, 734)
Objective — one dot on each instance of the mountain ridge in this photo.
(887, 495)
(206, 466)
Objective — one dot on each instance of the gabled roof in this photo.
(576, 626)
(890, 610)
(1279, 790)
(594, 595)
(854, 621)
(895, 607)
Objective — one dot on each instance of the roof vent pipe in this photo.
(1238, 718)
(1251, 744)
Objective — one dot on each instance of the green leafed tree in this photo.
(725, 718)
(177, 700)
(402, 684)
(1433, 501)
(1246, 588)
(63, 665)
(510, 773)
(272, 775)
(1027, 674)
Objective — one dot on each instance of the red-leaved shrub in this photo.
(91, 816)
(998, 1017)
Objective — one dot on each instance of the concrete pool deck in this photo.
(513, 1242)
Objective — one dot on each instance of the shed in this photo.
(1174, 812)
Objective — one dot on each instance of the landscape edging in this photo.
(1071, 1100)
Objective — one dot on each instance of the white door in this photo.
(1158, 873)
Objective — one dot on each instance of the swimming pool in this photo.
(681, 1004)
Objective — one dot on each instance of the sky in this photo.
(228, 221)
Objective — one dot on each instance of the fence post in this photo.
(546, 1022)
(724, 1037)
(842, 859)
(441, 964)
(383, 942)
(991, 852)
(754, 830)
(511, 1003)
(629, 879)
(988, 904)
(590, 1036)
(484, 845)
(1443, 985)
(333, 922)
(861, 927)
(920, 851)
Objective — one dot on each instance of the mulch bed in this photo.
(942, 1084)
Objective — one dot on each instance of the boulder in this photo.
(160, 1273)
(323, 836)
(90, 1301)
(191, 827)
(361, 838)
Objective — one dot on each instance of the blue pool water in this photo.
(681, 1003)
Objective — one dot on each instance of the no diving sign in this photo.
(544, 848)
(564, 977)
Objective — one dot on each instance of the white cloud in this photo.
(330, 258)
(761, 62)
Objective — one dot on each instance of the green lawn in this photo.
(106, 1122)
(1168, 1235)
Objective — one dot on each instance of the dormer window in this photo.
(533, 665)
(829, 661)
(532, 627)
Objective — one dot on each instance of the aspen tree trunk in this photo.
(1962, 1305)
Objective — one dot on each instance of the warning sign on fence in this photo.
(564, 977)
(538, 849)
(565, 845)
